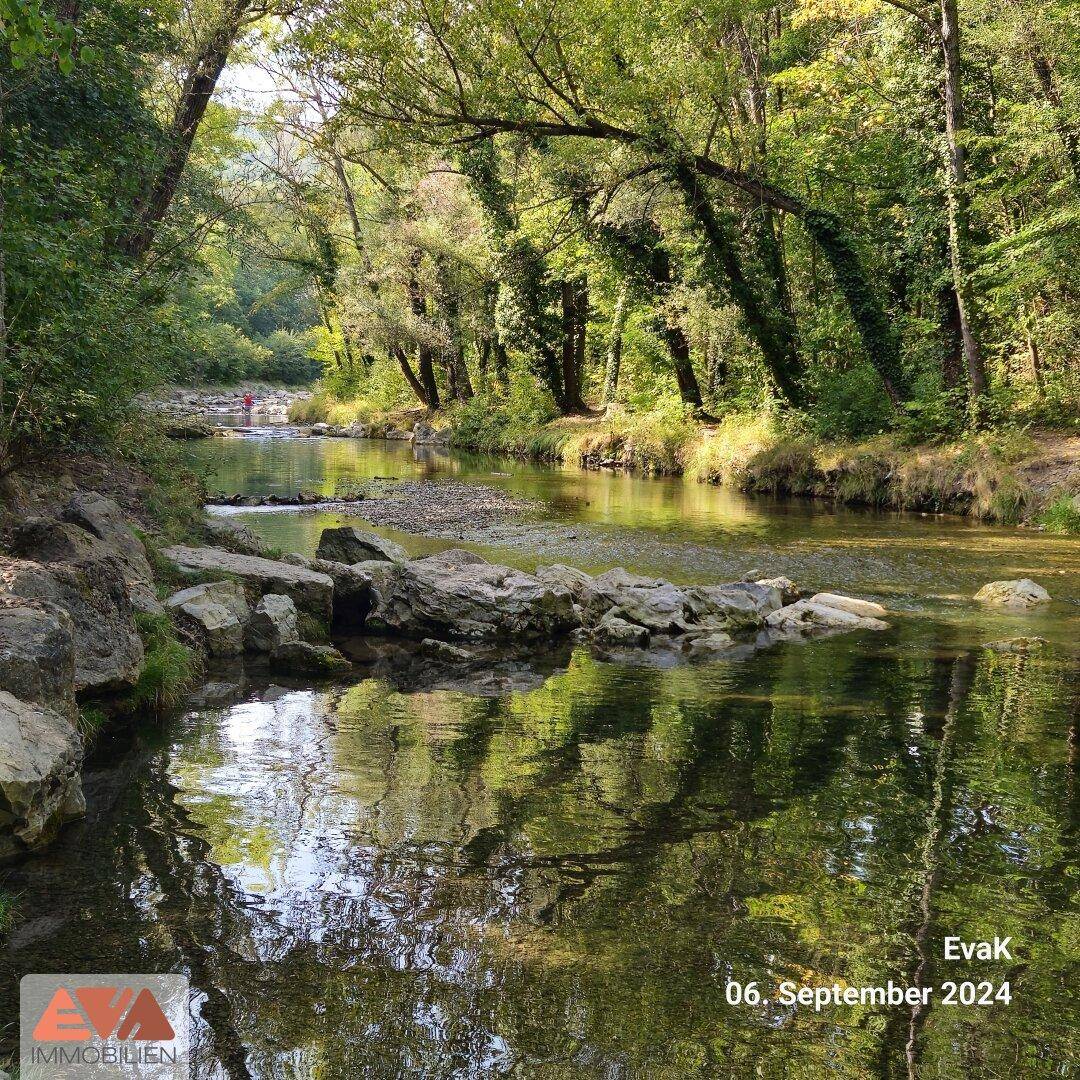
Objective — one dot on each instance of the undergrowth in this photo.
(168, 669)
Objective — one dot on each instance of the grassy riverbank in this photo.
(1007, 476)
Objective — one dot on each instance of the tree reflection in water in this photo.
(557, 882)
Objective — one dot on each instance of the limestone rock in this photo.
(476, 601)
(575, 581)
(805, 616)
(310, 591)
(611, 630)
(789, 591)
(653, 603)
(740, 605)
(40, 788)
(274, 622)
(348, 544)
(94, 593)
(234, 536)
(37, 654)
(1021, 593)
(303, 658)
(851, 604)
(219, 610)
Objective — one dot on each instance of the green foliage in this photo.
(90, 722)
(9, 911)
(168, 669)
(1062, 516)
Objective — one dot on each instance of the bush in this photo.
(290, 358)
(1062, 516)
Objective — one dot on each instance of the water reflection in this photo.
(557, 882)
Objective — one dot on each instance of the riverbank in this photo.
(1009, 477)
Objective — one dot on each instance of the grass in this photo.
(90, 722)
(8, 912)
(1062, 516)
(168, 670)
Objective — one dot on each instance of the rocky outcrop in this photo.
(611, 630)
(423, 434)
(303, 658)
(1016, 594)
(310, 590)
(273, 623)
(37, 654)
(40, 787)
(218, 611)
(348, 544)
(575, 581)
(93, 592)
(466, 598)
(234, 536)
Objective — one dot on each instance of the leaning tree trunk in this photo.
(957, 200)
(614, 355)
(195, 94)
(571, 401)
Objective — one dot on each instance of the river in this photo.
(558, 871)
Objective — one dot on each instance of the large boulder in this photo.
(103, 519)
(740, 605)
(311, 591)
(94, 593)
(475, 601)
(1021, 593)
(611, 630)
(575, 581)
(37, 654)
(40, 788)
(218, 611)
(352, 585)
(273, 623)
(348, 544)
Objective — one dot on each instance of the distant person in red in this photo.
(249, 403)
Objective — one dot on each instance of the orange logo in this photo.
(103, 1011)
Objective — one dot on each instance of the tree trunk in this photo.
(679, 347)
(614, 355)
(571, 388)
(410, 376)
(957, 200)
(195, 94)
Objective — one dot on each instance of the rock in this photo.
(453, 557)
(851, 604)
(349, 544)
(310, 591)
(1019, 645)
(611, 630)
(103, 518)
(37, 654)
(423, 434)
(40, 788)
(650, 602)
(395, 433)
(303, 658)
(706, 645)
(219, 610)
(94, 593)
(740, 605)
(274, 622)
(789, 591)
(356, 430)
(1021, 593)
(575, 581)
(234, 536)
(475, 601)
(442, 650)
(805, 616)
(319, 429)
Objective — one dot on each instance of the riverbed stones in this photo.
(218, 610)
(475, 601)
(1021, 593)
(40, 787)
(273, 623)
(310, 590)
(37, 654)
(93, 591)
(348, 544)
(303, 658)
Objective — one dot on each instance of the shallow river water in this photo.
(558, 871)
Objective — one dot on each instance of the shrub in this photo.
(786, 467)
(168, 669)
(1062, 515)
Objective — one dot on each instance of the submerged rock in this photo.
(349, 544)
(1020, 593)
(1017, 646)
(303, 658)
(40, 787)
(310, 591)
(702, 646)
(808, 616)
(219, 611)
(273, 623)
(474, 600)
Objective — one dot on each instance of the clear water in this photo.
(386, 879)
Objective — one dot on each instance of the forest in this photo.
(848, 217)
